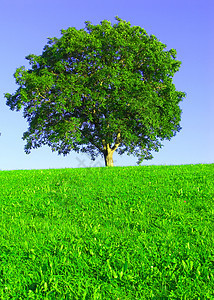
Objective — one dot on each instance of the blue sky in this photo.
(185, 25)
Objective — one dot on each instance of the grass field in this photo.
(107, 233)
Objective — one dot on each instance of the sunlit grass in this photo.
(107, 233)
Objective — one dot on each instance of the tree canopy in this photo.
(101, 89)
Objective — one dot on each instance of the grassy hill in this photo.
(107, 233)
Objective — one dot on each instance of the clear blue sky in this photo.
(185, 25)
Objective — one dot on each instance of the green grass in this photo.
(107, 233)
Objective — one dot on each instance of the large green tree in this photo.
(101, 89)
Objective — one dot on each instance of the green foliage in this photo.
(102, 85)
(74, 234)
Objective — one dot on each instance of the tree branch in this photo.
(117, 142)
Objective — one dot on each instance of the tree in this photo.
(101, 89)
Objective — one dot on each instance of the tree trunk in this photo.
(108, 151)
(109, 158)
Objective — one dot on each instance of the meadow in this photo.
(141, 232)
